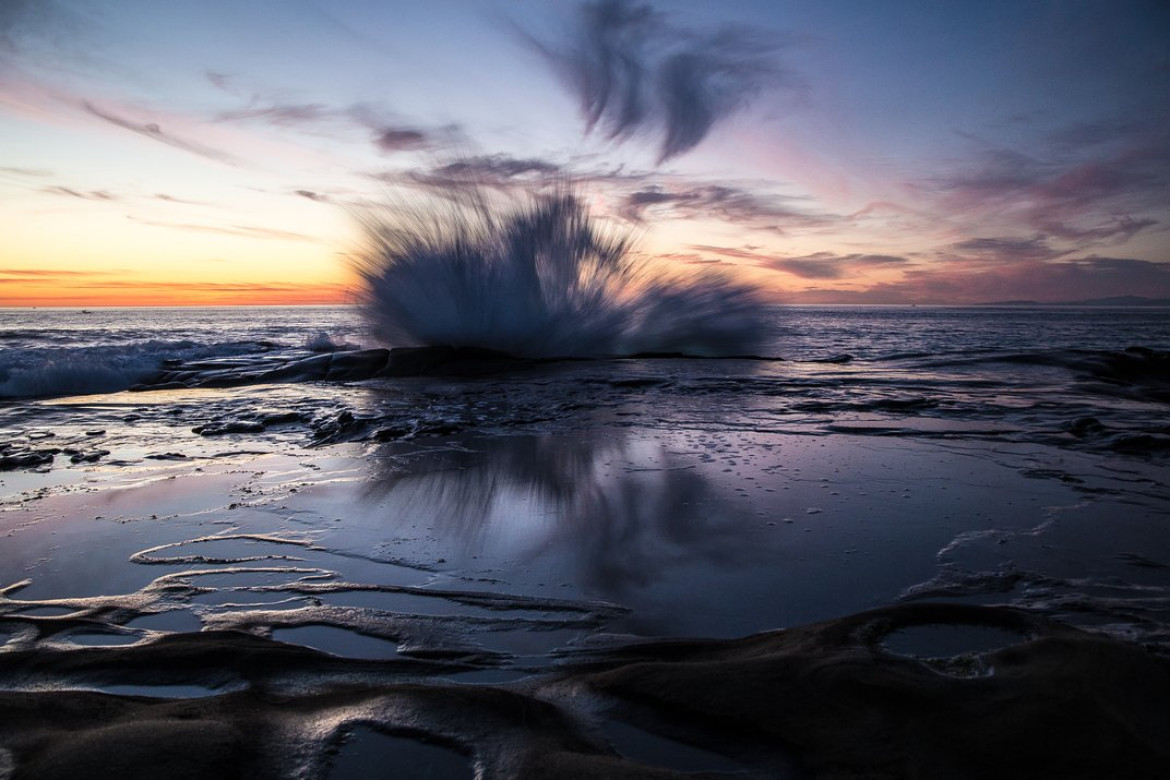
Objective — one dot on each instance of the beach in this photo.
(889, 546)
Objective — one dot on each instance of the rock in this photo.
(26, 460)
(823, 701)
(88, 457)
(449, 361)
(357, 365)
(229, 426)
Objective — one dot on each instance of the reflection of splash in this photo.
(542, 280)
(617, 525)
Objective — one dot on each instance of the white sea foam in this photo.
(58, 371)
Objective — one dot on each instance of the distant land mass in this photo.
(1117, 300)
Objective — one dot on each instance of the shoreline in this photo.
(488, 572)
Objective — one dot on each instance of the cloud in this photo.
(498, 172)
(721, 201)
(172, 199)
(826, 265)
(633, 73)
(1102, 184)
(1043, 281)
(101, 195)
(313, 196)
(392, 139)
(742, 253)
(998, 250)
(25, 275)
(689, 258)
(33, 172)
(280, 115)
(155, 132)
(820, 265)
(246, 231)
(218, 287)
(84, 291)
(386, 134)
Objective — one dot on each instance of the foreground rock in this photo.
(822, 701)
(344, 366)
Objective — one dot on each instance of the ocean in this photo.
(180, 472)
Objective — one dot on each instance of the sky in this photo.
(830, 151)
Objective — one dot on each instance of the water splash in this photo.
(541, 279)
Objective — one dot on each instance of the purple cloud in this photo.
(820, 265)
(1044, 281)
(387, 135)
(633, 73)
(998, 250)
(155, 132)
(826, 265)
(1103, 184)
(719, 201)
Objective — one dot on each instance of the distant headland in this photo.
(1117, 300)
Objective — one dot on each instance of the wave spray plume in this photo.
(539, 279)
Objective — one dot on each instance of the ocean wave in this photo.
(542, 279)
(39, 372)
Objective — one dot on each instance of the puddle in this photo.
(366, 753)
(176, 620)
(163, 691)
(338, 641)
(98, 639)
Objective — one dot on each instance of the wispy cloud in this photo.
(287, 115)
(155, 132)
(1102, 184)
(387, 133)
(221, 287)
(84, 290)
(820, 265)
(100, 195)
(1000, 250)
(1066, 280)
(316, 197)
(245, 231)
(633, 73)
(731, 203)
(826, 265)
(172, 199)
(29, 172)
(394, 139)
(24, 275)
(499, 172)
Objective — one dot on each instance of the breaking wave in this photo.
(542, 279)
(58, 371)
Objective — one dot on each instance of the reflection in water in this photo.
(616, 511)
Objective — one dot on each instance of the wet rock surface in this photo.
(339, 366)
(821, 701)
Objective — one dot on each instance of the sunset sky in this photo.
(837, 151)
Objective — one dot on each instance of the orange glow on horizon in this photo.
(192, 294)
